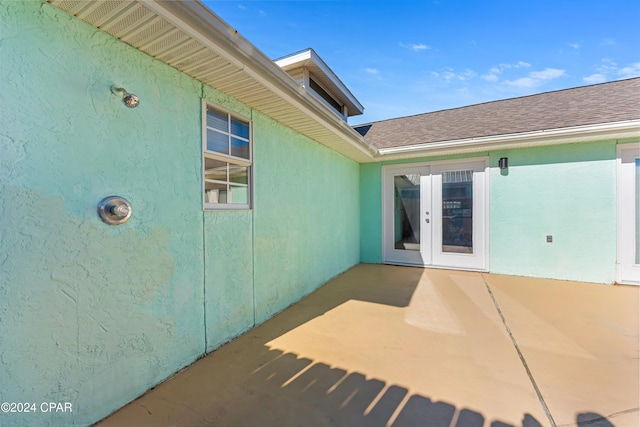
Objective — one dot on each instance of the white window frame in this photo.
(232, 160)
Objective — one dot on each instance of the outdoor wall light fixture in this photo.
(129, 99)
(503, 163)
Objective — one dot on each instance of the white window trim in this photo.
(225, 158)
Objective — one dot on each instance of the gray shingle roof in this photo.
(587, 105)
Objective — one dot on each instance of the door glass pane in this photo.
(637, 211)
(457, 211)
(406, 219)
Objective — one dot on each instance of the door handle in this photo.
(427, 220)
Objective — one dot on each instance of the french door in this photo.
(434, 214)
(629, 214)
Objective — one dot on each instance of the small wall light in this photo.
(503, 163)
(129, 99)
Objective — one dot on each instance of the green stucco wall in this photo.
(371, 213)
(567, 191)
(306, 216)
(94, 314)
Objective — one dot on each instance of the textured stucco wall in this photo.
(567, 191)
(228, 275)
(89, 313)
(94, 314)
(371, 213)
(306, 216)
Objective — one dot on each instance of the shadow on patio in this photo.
(399, 346)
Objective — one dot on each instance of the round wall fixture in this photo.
(114, 210)
(129, 99)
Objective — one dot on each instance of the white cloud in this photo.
(466, 75)
(523, 82)
(632, 70)
(492, 77)
(547, 74)
(494, 72)
(519, 64)
(373, 74)
(417, 47)
(607, 66)
(535, 78)
(595, 78)
(242, 7)
(574, 45)
(608, 42)
(450, 74)
(609, 70)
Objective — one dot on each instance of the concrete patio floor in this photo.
(401, 346)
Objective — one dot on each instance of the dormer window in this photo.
(316, 77)
(325, 95)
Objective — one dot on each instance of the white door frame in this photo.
(480, 259)
(628, 270)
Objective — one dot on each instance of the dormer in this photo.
(316, 77)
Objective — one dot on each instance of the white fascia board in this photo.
(294, 59)
(199, 22)
(616, 130)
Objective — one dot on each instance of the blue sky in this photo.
(401, 58)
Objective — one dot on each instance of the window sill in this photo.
(210, 207)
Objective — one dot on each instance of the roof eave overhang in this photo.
(310, 59)
(197, 20)
(589, 133)
(202, 25)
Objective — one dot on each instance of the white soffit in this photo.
(189, 37)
